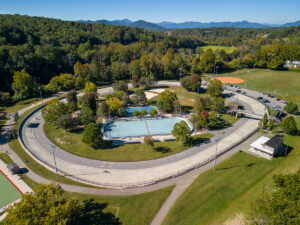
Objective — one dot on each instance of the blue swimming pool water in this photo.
(122, 128)
(129, 111)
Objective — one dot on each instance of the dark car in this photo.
(259, 98)
(278, 99)
(238, 91)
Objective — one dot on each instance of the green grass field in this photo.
(71, 142)
(227, 49)
(224, 195)
(132, 210)
(8, 192)
(283, 84)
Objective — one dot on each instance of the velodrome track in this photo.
(133, 174)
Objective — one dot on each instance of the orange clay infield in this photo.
(231, 80)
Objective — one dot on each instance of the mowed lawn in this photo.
(224, 195)
(132, 210)
(227, 49)
(71, 142)
(286, 84)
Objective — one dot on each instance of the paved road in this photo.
(115, 174)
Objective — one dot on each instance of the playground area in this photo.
(9, 193)
(230, 80)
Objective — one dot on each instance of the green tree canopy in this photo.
(90, 87)
(72, 100)
(92, 135)
(103, 109)
(165, 101)
(291, 108)
(87, 115)
(181, 131)
(289, 126)
(47, 205)
(215, 88)
(54, 110)
(23, 85)
(115, 105)
(281, 205)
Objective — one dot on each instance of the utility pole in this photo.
(53, 147)
(180, 74)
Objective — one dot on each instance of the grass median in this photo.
(71, 142)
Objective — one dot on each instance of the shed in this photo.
(266, 147)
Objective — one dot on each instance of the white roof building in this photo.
(266, 147)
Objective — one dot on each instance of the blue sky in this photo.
(262, 11)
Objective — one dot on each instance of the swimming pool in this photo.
(130, 110)
(140, 127)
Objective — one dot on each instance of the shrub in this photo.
(153, 112)
(148, 140)
(87, 115)
(66, 121)
(136, 113)
(72, 100)
(5, 98)
(143, 112)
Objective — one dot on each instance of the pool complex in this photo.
(140, 127)
(8, 193)
(130, 110)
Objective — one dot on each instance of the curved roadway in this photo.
(129, 174)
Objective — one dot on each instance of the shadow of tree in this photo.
(93, 213)
(196, 141)
(162, 149)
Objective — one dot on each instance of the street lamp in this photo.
(53, 147)
(180, 74)
(215, 161)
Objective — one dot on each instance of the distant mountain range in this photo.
(170, 25)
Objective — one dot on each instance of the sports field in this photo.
(8, 193)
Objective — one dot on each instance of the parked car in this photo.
(259, 98)
(270, 96)
(244, 93)
(278, 99)
(283, 102)
(238, 91)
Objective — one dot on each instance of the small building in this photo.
(13, 168)
(266, 147)
(292, 64)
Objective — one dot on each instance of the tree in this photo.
(72, 100)
(265, 121)
(281, 205)
(135, 68)
(54, 110)
(89, 100)
(148, 140)
(289, 126)
(120, 86)
(215, 88)
(103, 109)
(92, 135)
(66, 121)
(48, 205)
(5, 98)
(136, 113)
(291, 108)
(143, 112)
(153, 112)
(145, 82)
(218, 105)
(186, 83)
(90, 87)
(87, 115)
(141, 96)
(181, 131)
(207, 61)
(203, 121)
(271, 125)
(23, 85)
(125, 99)
(196, 82)
(115, 105)
(165, 101)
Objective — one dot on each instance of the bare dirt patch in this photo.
(230, 80)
